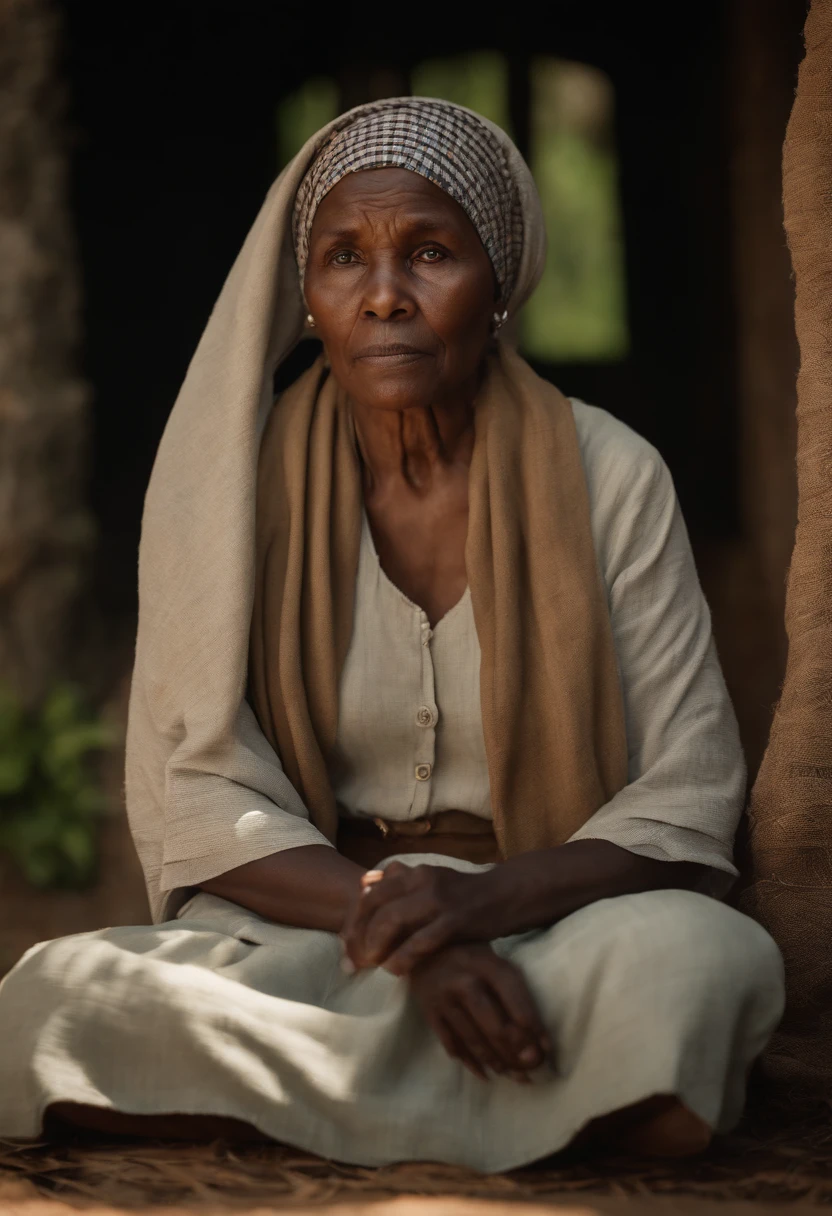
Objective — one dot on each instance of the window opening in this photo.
(303, 113)
(578, 313)
(478, 80)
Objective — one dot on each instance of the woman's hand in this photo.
(406, 913)
(480, 1007)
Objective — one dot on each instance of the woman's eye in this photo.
(343, 258)
(430, 255)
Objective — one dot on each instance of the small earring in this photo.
(310, 320)
(500, 320)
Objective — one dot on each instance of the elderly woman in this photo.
(431, 767)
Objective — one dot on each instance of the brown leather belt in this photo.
(450, 833)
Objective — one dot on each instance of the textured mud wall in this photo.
(745, 579)
(791, 805)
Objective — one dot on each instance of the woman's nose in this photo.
(386, 295)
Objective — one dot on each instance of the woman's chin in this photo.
(401, 388)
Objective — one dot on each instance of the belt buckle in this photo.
(407, 827)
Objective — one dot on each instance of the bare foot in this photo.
(672, 1132)
(660, 1126)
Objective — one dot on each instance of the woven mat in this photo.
(767, 1164)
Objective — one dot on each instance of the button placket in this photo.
(425, 717)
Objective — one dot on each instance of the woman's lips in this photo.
(390, 356)
(393, 360)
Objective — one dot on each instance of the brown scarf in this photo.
(552, 710)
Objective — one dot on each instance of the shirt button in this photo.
(423, 772)
(425, 716)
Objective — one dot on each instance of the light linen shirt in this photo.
(410, 740)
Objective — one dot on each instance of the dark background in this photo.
(172, 107)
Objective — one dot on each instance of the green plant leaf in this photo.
(12, 717)
(40, 867)
(72, 742)
(15, 772)
(50, 794)
(90, 801)
(62, 707)
(78, 844)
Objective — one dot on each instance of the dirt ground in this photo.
(754, 1172)
(443, 1205)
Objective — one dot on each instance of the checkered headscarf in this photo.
(442, 142)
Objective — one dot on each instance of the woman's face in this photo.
(401, 290)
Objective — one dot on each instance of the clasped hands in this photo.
(433, 925)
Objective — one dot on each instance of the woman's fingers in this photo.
(419, 945)
(471, 1039)
(406, 913)
(457, 1050)
(392, 927)
(370, 878)
(375, 893)
(513, 993)
(390, 914)
(486, 1011)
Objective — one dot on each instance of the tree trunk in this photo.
(46, 534)
(791, 803)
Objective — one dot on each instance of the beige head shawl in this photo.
(202, 779)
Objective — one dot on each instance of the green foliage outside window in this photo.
(478, 80)
(50, 797)
(578, 312)
(303, 113)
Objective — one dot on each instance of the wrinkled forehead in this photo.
(397, 198)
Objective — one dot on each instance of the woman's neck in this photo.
(412, 448)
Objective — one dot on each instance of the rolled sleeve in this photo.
(686, 770)
(238, 809)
